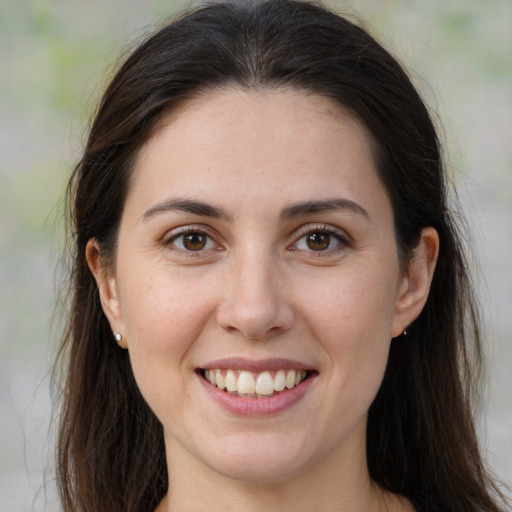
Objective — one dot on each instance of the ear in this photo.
(415, 283)
(107, 287)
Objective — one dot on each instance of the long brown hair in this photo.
(421, 440)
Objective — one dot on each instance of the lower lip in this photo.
(243, 406)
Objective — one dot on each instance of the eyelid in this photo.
(343, 238)
(174, 234)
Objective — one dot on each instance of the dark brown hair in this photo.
(421, 440)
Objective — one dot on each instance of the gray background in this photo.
(55, 56)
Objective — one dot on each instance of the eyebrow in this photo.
(194, 207)
(203, 209)
(311, 207)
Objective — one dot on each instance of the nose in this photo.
(255, 304)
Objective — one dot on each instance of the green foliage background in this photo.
(55, 57)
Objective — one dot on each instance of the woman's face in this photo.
(257, 243)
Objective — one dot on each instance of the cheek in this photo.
(163, 319)
(351, 307)
(162, 312)
(351, 317)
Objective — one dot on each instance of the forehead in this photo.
(302, 103)
(250, 143)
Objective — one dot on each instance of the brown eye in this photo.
(191, 241)
(318, 241)
(194, 241)
(322, 241)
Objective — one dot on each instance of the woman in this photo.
(261, 224)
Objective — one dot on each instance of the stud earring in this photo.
(119, 337)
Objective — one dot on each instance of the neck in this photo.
(328, 485)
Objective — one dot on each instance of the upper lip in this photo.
(256, 365)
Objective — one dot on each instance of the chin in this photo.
(259, 459)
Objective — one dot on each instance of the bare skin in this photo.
(257, 230)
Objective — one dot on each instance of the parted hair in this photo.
(421, 439)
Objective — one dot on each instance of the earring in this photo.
(119, 337)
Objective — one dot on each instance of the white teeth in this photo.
(221, 383)
(290, 379)
(265, 384)
(231, 381)
(279, 381)
(246, 384)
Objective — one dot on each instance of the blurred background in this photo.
(55, 58)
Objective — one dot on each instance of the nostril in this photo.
(256, 321)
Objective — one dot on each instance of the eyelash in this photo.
(342, 241)
(170, 241)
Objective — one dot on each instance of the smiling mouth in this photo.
(247, 384)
